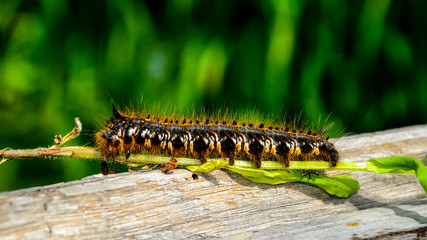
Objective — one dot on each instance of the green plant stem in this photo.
(136, 160)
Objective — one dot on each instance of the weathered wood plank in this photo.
(225, 205)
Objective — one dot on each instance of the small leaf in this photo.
(400, 165)
(209, 166)
(340, 186)
(263, 176)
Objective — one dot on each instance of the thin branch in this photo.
(138, 160)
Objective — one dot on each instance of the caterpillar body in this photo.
(134, 133)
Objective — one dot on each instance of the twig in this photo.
(59, 140)
(138, 160)
(1, 154)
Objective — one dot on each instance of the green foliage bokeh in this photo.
(361, 62)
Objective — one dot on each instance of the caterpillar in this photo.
(134, 133)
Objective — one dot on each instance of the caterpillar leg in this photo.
(231, 160)
(105, 170)
(203, 159)
(257, 162)
(104, 167)
(284, 160)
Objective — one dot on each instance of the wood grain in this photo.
(224, 205)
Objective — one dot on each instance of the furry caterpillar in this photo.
(131, 134)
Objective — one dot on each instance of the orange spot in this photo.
(352, 224)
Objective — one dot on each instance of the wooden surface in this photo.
(225, 205)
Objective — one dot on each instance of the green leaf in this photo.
(263, 176)
(209, 166)
(340, 186)
(400, 165)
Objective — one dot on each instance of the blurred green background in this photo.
(362, 62)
